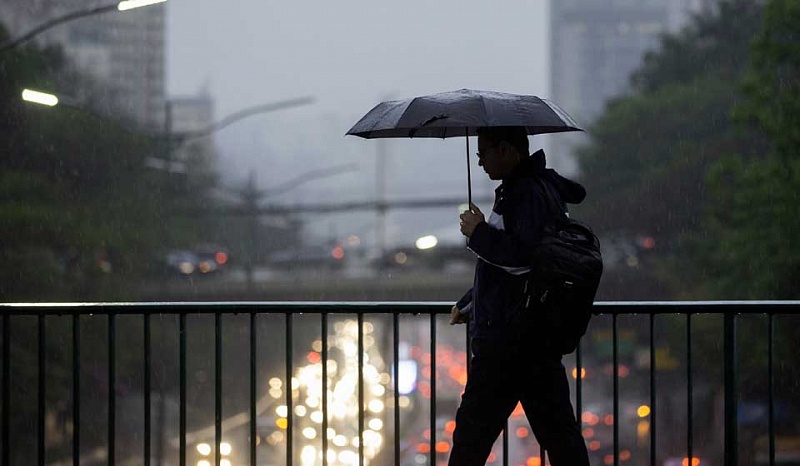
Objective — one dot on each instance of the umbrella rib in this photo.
(518, 105)
(485, 112)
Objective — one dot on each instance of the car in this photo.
(310, 257)
(195, 262)
(211, 259)
(182, 262)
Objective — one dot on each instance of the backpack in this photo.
(566, 270)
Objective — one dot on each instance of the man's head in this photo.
(500, 149)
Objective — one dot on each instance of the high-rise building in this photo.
(595, 45)
(121, 53)
(188, 115)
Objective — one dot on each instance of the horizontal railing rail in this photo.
(351, 307)
(728, 311)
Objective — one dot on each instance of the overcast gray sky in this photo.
(349, 55)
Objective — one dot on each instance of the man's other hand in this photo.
(456, 317)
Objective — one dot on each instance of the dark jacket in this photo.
(504, 244)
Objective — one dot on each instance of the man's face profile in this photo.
(497, 160)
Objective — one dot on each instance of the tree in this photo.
(645, 167)
(703, 48)
(753, 222)
(703, 156)
(82, 213)
(772, 86)
(81, 217)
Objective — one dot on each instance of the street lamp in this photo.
(41, 98)
(51, 100)
(124, 5)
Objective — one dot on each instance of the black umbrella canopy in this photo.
(460, 113)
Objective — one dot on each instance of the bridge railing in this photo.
(655, 383)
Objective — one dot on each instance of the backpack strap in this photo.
(557, 212)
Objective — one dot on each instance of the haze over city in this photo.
(158, 307)
(348, 57)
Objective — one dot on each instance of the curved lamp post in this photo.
(176, 140)
(240, 115)
(51, 100)
(124, 5)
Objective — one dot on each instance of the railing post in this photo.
(76, 389)
(289, 408)
(147, 389)
(653, 399)
(217, 387)
(324, 353)
(5, 455)
(771, 387)
(112, 388)
(42, 399)
(615, 384)
(731, 412)
(433, 389)
(396, 382)
(361, 389)
(689, 383)
(182, 389)
(254, 387)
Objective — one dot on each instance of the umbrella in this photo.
(461, 113)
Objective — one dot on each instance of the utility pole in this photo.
(251, 196)
(250, 199)
(168, 146)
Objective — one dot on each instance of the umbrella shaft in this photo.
(469, 176)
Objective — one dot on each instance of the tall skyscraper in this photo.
(193, 114)
(121, 53)
(595, 45)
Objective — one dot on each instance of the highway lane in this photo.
(311, 286)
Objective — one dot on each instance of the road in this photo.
(310, 285)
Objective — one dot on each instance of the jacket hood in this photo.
(570, 191)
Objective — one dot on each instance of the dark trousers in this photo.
(498, 379)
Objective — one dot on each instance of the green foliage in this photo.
(646, 167)
(81, 214)
(712, 45)
(82, 217)
(772, 86)
(753, 223)
(704, 155)
(752, 229)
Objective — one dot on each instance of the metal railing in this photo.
(729, 312)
